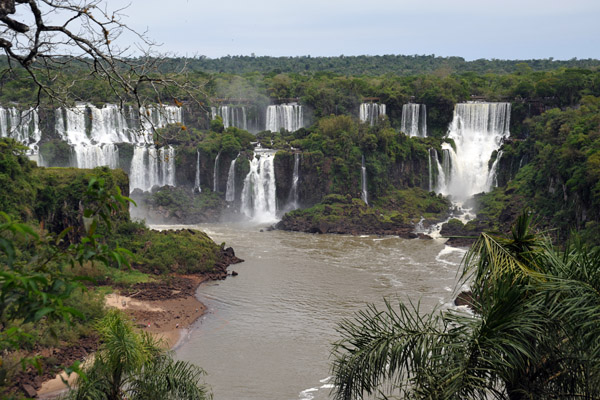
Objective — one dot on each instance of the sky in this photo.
(501, 29)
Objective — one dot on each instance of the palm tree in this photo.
(535, 332)
(131, 365)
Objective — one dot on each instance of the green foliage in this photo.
(131, 365)
(35, 282)
(561, 173)
(184, 251)
(534, 334)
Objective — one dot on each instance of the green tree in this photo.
(534, 333)
(132, 365)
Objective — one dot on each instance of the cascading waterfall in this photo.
(477, 130)
(370, 112)
(216, 173)
(230, 190)
(414, 120)
(232, 116)
(159, 117)
(287, 116)
(93, 132)
(258, 194)
(364, 195)
(152, 167)
(23, 126)
(293, 196)
(197, 180)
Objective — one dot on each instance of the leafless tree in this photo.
(48, 39)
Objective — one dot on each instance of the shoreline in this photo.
(170, 321)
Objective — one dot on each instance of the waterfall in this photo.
(442, 171)
(232, 116)
(414, 120)
(258, 195)
(492, 180)
(110, 124)
(429, 169)
(287, 116)
(370, 112)
(293, 196)
(23, 126)
(92, 133)
(88, 156)
(159, 117)
(364, 196)
(230, 191)
(152, 167)
(477, 130)
(216, 173)
(197, 181)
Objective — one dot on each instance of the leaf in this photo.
(42, 312)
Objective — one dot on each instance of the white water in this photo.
(492, 180)
(370, 112)
(23, 126)
(363, 175)
(88, 156)
(287, 116)
(258, 194)
(477, 130)
(197, 180)
(414, 120)
(232, 116)
(293, 196)
(216, 173)
(152, 167)
(230, 190)
(92, 132)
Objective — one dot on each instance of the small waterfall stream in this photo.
(197, 180)
(293, 196)
(216, 173)
(363, 175)
(230, 190)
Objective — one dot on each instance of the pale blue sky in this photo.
(503, 29)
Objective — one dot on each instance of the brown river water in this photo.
(268, 332)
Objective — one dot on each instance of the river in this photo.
(267, 334)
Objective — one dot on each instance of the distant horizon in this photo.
(380, 55)
(471, 29)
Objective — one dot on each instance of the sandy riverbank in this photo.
(166, 318)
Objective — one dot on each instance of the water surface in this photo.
(268, 332)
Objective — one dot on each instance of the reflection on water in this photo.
(268, 332)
